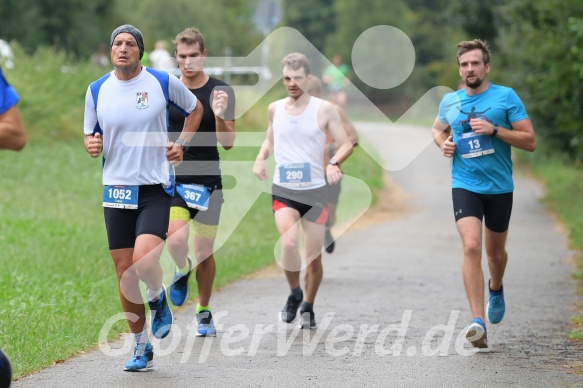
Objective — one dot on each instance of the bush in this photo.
(52, 92)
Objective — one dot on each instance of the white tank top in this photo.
(298, 147)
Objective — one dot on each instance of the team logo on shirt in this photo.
(472, 114)
(142, 100)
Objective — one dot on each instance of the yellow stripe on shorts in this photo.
(179, 213)
(204, 231)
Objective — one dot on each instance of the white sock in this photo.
(153, 296)
(141, 338)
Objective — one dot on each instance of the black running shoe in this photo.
(329, 241)
(307, 320)
(290, 310)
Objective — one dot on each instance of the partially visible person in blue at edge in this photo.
(12, 133)
(12, 137)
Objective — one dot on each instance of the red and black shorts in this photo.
(309, 203)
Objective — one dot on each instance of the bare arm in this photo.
(191, 123)
(443, 138)
(332, 147)
(225, 128)
(12, 133)
(348, 126)
(520, 136)
(336, 130)
(260, 167)
(339, 136)
(174, 151)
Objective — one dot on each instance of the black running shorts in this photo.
(303, 201)
(151, 217)
(494, 209)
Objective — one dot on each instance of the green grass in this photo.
(55, 267)
(563, 180)
(52, 92)
(577, 330)
(57, 279)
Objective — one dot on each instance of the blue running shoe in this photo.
(179, 289)
(142, 360)
(161, 316)
(496, 306)
(476, 334)
(206, 325)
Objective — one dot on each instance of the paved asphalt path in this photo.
(390, 308)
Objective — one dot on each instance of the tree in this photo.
(223, 23)
(479, 19)
(542, 47)
(315, 19)
(73, 25)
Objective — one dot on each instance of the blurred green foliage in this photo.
(52, 92)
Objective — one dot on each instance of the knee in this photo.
(176, 242)
(289, 245)
(472, 249)
(496, 256)
(124, 268)
(145, 265)
(314, 263)
(203, 256)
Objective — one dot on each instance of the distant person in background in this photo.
(315, 89)
(337, 77)
(160, 58)
(126, 118)
(12, 134)
(100, 57)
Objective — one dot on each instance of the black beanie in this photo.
(130, 30)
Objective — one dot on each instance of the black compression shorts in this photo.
(151, 217)
(494, 209)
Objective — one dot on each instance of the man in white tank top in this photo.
(296, 135)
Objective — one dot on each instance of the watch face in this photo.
(333, 162)
(183, 144)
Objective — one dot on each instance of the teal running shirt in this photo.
(481, 164)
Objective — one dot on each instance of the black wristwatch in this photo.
(333, 162)
(495, 131)
(183, 144)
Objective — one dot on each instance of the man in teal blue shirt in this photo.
(477, 126)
